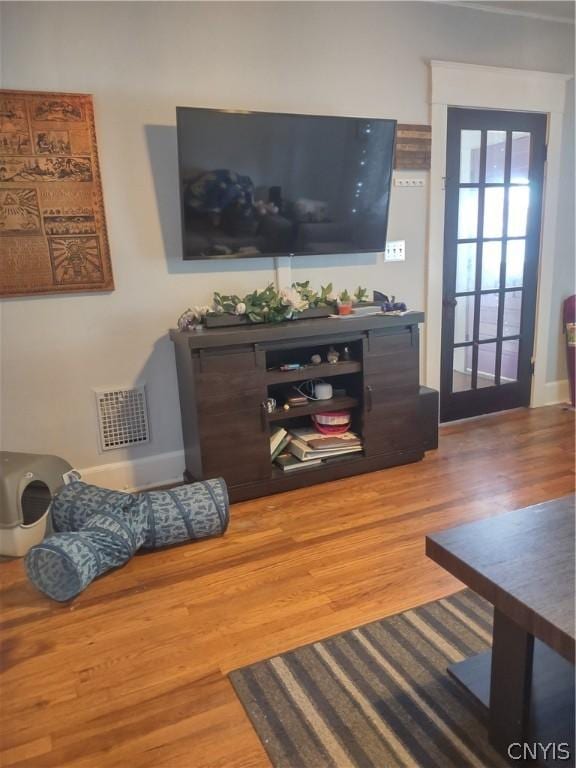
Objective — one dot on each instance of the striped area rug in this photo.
(378, 696)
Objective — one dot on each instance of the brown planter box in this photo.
(225, 320)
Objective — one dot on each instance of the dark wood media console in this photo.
(226, 374)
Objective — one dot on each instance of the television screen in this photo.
(265, 184)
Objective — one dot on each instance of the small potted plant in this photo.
(361, 295)
(344, 303)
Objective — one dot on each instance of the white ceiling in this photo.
(552, 10)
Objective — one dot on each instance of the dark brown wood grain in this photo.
(523, 563)
(334, 330)
(549, 718)
(511, 675)
(224, 380)
(233, 436)
(391, 419)
(429, 407)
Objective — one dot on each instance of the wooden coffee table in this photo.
(523, 563)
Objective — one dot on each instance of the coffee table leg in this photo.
(510, 682)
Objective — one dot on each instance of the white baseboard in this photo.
(557, 392)
(166, 468)
(139, 474)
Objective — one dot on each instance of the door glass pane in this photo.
(470, 157)
(464, 319)
(491, 257)
(520, 157)
(495, 155)
(515, 263)
(488, 316)
(462, 369)
(465, 267)
(486, 365)
(468, 214)
(512, 312)
(518, 200)
(493, 211)
(509, 365)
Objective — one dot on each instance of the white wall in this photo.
(140, 60)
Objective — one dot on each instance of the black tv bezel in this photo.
(233, 257)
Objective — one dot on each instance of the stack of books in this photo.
(308, 448)
(279, 439)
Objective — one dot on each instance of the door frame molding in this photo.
(457, 84)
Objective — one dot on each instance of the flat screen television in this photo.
(267, 184)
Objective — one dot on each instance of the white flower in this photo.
(192, 318)
(186, 320)
(292, 298)
(240, 308)
(201, 312)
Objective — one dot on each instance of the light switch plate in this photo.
(395, 250)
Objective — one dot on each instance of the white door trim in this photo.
(470, 85)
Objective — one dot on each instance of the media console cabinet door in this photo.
(234, 435)
(391, 392)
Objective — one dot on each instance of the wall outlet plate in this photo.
(404, 182)
(395, 250)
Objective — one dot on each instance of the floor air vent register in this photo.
(122, 417)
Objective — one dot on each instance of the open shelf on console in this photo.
(314, 406)
(322, 371)
(352, 458)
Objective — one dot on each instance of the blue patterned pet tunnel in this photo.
(65, 563)
(78, 501)
(186, 513)
(99, 529)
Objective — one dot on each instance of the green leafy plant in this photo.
(224, 303)
(315, 299)
(345, 297)
(307, 294)
(266, 306)
(272, 306)
(361, 295)
(326, 296)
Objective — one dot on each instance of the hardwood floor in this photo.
(133, 672)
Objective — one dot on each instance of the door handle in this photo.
(368, 397)
(449, 302)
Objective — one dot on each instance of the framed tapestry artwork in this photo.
(52, 226)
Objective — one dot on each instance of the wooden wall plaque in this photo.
(52, 226)
(413, 147)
